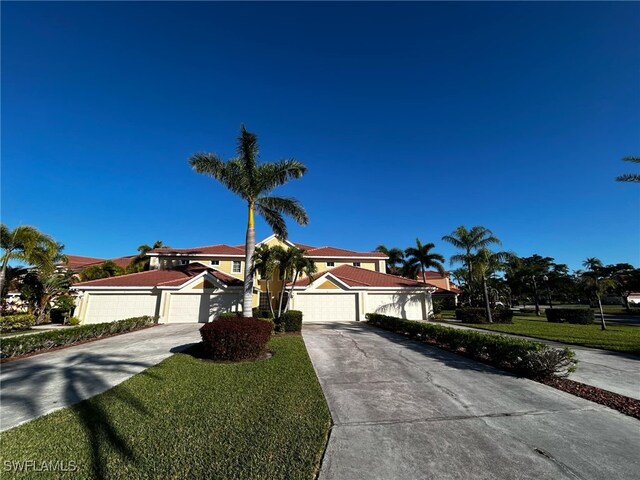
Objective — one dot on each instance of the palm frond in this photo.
(287, 206)
(628, 177)
(274, 219)
(272, 175)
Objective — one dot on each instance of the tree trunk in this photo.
(250, 246)
(487, 304)
(269, 297)
(282, 290)
(3, 273)
(295, 279)
(603, 325)
(535, 292)
(625, 303)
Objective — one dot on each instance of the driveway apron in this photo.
(405, 410)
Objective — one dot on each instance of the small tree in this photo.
(140, 262)
(595, 285)
(396, 258)
(265, 264)
(103, 270)
(420, 258)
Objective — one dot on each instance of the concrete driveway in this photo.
(38, 385)
(404, 410)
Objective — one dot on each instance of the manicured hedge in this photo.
(261, 313)
(524, 357)
(15, 323)
(582, 316)
(230, 315)
(22, 344)
(479, 315)
(235, 339)
(290, 321)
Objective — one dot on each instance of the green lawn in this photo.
(617, 337)
(185, 418)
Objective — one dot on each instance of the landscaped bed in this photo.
(188, 418)
(617, 337)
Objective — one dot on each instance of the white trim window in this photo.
(356, 264)
(331, 264)
(215, 263)
(236, 267)
(183, 262)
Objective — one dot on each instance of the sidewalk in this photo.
(613, 371)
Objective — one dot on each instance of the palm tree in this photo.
(27, 244)
(253, 182)
(486, 263)
(420, 258)
(469, 241)
(140, 262)
(396, 256)
(301, 265)
(264, 264)
(594, 266)
(287, 260)
(630, 177)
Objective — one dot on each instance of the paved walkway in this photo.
(38, 385)
(405, 410)
(613, 371)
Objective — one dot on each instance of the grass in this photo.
(185, 418)
(617, 337)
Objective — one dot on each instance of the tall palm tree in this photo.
(486, 263)
(396, 256)
(264, 264)
(253, 182)
(421, 258)
(469, 241)
(630, 177)
(594, 266)
(27, 244)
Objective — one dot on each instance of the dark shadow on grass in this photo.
(76, 378)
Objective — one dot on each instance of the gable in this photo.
(328, 285)
(273, 241)
(205, 283)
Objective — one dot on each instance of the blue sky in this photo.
(413, 118)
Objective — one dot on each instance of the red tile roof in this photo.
(316, 252)
(77, 262)
(432, 274)
(160, 278)
(360, 277)
(123, 261)
(219, 249)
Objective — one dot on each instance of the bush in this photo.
(73, 321)
(479, 315)
(261, 313)
(582, 316)
(524, 357)
(23, 344)
(15, 323)
(290, 321)
(230, 315)
(235, 339)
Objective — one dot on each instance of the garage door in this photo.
(200, 308)
(107, 307)
(401, 305)
(329, 307)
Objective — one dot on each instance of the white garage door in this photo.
(104, 307)
(327, 307)
(403, 305)
(200, 308)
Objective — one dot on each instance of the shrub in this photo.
(479, 315)
(235, 339)
(524, 357)
(15, 323)
(23, 344)
(230, 315)
(261, 313)
(582, 316)
(291, 321)
(73, 321)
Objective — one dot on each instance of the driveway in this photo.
(404, 410)
(38, 385)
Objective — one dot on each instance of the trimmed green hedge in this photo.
(23, 344)
(581, 316)
(479, 315)
(290, 321)
(15, 323)
(524, 357)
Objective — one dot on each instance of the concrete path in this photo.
(38, 385)
(404, 410)
(613, 371)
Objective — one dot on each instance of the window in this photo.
(331, 264)
(237, 266)
(356, 264)
(183, 262)
(215, 262)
